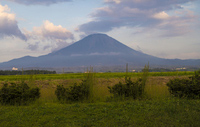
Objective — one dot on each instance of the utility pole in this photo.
(22, 71)
(126, 72)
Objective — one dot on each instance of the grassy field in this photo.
(158, 108)
(81, 75)
(155, 113)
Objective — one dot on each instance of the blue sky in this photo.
(166, 29)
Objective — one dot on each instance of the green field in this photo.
(155, 113)
(157, 108)
(81, 75)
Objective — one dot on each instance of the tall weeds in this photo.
(145, 73)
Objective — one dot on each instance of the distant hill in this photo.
(95, 50)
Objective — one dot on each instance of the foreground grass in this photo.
(166, 112)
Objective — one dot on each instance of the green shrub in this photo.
(77, 92)
(189, 88)
(133, 89)
(129, 89)
(18, 94)
(61, 92)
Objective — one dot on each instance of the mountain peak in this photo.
(95, 43)
(97, 34)
(97, 38)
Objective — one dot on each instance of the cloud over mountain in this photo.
(148, 14)
(39, 2)
(8, 24)
(48, 32)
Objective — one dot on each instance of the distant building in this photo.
(15, 69)
(178, 69)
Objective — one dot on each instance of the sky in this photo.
(162, 28)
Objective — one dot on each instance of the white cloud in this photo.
(49, 36)
(161, 15)
(178, 24)
(98, 54)
(49, 31)
(8, 24)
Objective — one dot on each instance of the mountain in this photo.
(95, 50)
(96, 44)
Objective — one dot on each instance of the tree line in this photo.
(26, 72)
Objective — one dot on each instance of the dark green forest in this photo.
(26, 72)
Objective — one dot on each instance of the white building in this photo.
(15, 69)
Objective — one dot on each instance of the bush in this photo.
(189, 88)
(18, 94)
(77, 92)
(129, 89)
(133, 89)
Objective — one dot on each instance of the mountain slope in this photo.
(95, 44)
(96, 49)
